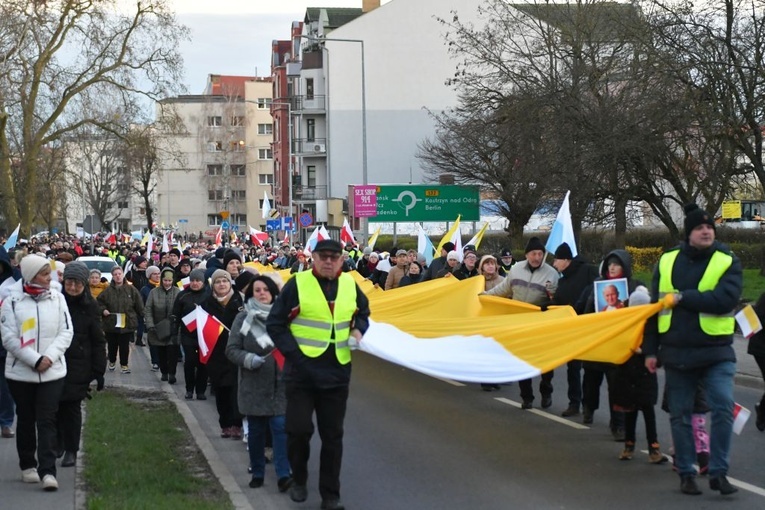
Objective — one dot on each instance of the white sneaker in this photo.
(30, 476)
(50, 483)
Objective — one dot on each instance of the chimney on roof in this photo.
(369, 5)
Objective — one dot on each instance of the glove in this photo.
(671, 300)
(99, 378)
(639, 296)
(253, 361)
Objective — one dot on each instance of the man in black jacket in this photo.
(576, 277)
(700, 283)
(438, 264)
(314, 322)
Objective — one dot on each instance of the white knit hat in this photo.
(31, 265)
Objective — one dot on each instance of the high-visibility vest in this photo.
(710, 324)
(313, 326)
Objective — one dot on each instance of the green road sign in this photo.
(415, 202)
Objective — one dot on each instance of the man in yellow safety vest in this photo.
(317, 319)
(700, 283)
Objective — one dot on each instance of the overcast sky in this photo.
(234, 36)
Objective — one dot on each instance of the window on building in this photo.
(215, 146)
(265, 178)
(265, 154)
(239, 194)
(309, 88)
(122, 204)
(214, 194)
(213, 220)
(122, 187)
(214, 170)
(214, 121)
(142, 211)
(237, 120)
(239, 219)
(310, 129)
(236, 146)
(264, 103)
(238, 170)
(311, 174)
(265, 129)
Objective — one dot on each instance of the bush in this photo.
(644, 259)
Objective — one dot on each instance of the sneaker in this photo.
(112, 366)
(236, 432)
(225, 432)
(163, 378)
(125, 369)
(703, 459)
(30, 476)
(7, 432)
(587, 416)
(654, 454)
(256, 483)
(268, 453)
(50, 483)
(298, 493)
(688, 486)
(628, 452)
(720, 483)
(171, 379)
(70, 459)
(201, 397)
(154, 367)
(618, 434)
(189, 395)
(526, 404)
(332, 504)
(546, 402)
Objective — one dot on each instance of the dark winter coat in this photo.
(434, 268)
(222, 371)
(86, 355)
(261, 391)
(185, 303)
(575, 280)
(123, 299)
(685, 346)
(757, 341)
(159, 307)
(461, 272)
(633, 386)
(7, 272)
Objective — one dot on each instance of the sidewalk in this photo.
(228, 458)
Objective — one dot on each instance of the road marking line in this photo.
(449, 381)
(544, 414)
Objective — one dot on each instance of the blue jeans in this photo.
(7, 406)
(256, 444)
(717, 381)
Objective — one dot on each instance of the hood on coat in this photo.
(625, 259)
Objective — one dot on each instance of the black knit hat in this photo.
(229, 256)
(695, 216)
(448, 246)
(534, 244)
(176, 252)
(77, 271)
(564, 252)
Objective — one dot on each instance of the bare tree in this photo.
(68, 61)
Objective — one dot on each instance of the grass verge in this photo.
(139, 454)
(754, 284)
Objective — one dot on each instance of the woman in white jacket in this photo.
(36, 330)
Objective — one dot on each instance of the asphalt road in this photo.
(414, 442)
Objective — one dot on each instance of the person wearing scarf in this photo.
(261, 395)
(36, 331)
(224, 304)
(152, 282)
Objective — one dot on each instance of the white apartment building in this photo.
(226, 162)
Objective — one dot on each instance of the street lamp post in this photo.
(364, 166)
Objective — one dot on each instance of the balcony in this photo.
(309, 192)
(308, 104)
(310, 147)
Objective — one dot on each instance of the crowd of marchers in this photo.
(64, 325)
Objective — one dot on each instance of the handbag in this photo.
(163, 329)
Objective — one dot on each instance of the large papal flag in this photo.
(445, 329)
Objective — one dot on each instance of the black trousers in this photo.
(69, 422)
(227, 406)
(36, 407)
(121, 341)
(545, 386)
(168, 359)
(574, 378)
(329, 406)
(630, 424)
(194, 372)
(761, 363)
(591, 382)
